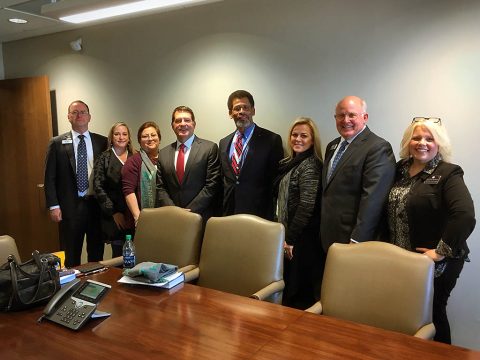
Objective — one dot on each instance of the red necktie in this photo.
(181, 163)
(237, 155)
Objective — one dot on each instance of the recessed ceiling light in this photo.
(18, 21)
(128, 8)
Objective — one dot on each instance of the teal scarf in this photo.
(148, 181)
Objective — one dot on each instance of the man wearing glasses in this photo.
(357, 175)
(249, 161)
(68, 186)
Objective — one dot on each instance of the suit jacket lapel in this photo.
(70, 152)
(170, 165)
(191, 157)
(96, 146)
(229, 171)
(328, 158)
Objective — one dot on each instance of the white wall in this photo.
(406, 58)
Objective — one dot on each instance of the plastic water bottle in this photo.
(128, 253)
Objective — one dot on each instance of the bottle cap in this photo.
(128, 237)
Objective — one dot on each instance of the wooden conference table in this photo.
(191, 322)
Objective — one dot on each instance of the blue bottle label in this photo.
(129, 261)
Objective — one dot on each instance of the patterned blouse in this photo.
(397, 207)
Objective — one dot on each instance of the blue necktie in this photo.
(82, 168)
(337, 158)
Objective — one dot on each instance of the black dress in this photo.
(109, 194)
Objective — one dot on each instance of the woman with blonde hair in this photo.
(117, 220)
(430, 210)
(298, 189)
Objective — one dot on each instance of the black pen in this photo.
(92, 272)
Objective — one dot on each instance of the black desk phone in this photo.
(75, 303)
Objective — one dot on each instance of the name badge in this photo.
(67, 141)
(433, 180)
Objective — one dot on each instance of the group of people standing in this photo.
(358, 194)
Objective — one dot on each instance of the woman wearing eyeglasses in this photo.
(140, 171)
(430, 210)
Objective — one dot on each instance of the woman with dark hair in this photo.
(140, 171)
(298, 190)
(117, 220)
(431, 211)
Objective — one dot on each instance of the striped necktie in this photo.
(237, 154)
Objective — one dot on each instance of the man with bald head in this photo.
(357, 176)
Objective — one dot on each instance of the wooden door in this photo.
(25, 129)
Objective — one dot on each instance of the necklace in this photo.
(123, 155)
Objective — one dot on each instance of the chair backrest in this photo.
(170, 235)
(7, 247)
(378, 284)
(241, 254)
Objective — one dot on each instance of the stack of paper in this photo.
(171, 281)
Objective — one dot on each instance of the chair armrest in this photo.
(426, 332)
(269, 290)
(315, 308)
(191, 272)
(112, 262)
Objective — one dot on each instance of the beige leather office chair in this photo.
(7, 247)
(243, 254)
(170, 235)
(379, 284)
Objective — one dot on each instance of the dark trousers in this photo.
(443, 286)
(303, 275)
(86, 221)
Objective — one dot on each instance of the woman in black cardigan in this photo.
(430, 210)
(298, 189)
(116, 218)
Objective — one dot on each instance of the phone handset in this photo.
(58, 297)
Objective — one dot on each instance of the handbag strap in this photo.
(42, 265)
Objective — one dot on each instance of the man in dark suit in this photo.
(188, 173)
(357, 176)
(249, 161)
(68, 186)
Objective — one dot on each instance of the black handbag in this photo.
(28, 284)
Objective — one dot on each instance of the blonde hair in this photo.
(438, 132)
(317, 150)
(130, 147)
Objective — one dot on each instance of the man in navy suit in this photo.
(357, 176)
(71, 202)
(249, 160)
(188, 173)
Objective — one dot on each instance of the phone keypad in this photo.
(72, 314)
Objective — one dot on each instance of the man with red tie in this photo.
(249, 160)
(188, 173)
